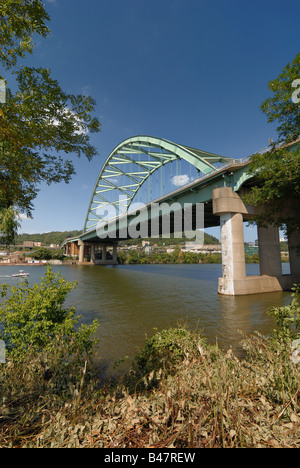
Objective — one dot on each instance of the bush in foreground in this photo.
(200, 397)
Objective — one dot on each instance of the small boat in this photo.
(21, 274)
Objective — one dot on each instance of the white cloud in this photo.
(23, 217)
(67, 112)
(180, 180)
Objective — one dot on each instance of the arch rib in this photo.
(134, 152)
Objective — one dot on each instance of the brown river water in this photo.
(131, 300)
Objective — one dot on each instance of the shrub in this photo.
(34, 319)
(287, 318)
(162, 353)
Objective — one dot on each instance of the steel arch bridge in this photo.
(131, 163)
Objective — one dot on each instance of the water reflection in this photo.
(246, 314)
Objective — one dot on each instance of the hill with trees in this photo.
(57, 237)
(47, 238)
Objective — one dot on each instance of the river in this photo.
(131, 300)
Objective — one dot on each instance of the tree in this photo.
(42, 254)
(39, 123)
(19, 20)
(277, 171)
(277, 188)
(281, 107)
(8, 225)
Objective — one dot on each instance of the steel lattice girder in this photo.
(135, 151)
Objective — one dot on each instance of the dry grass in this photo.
(180, 393)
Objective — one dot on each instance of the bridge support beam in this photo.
(104, 254)
(81, 251)
(233, 252)
(112, 260)
(88, 253)
(229, 206)
(115, 254)
(294, 243)
(269, 251)
(93, 253)
(105, 260)
(232, 211)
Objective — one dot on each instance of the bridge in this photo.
(212, 196)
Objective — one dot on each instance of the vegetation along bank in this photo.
(179, 392)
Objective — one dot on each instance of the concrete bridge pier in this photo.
(269, 251)
(294, 243)
(81, 251)
(229, 206)
(232, 211)
(233, 252)
(93, 253)
(87, 252)
(104, 260)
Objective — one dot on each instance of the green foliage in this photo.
(162, 352)
(42, 254)
(136, 257)
(47, 254)
(34, 319)
(40, 124)
(165, 348)
(280, 108)
(252, 258)
(8, 225)
(288, 318)
(47, 238)
(133, 257)
(277, 187)
(277, 172)
(19, 20)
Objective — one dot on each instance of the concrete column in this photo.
(230, 207)
(104, 252)
(294, 252)
(81, 251)
(93, 256)
(115, 254)
(269, 251)
(233, 251)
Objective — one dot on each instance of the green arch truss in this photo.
(137, 158)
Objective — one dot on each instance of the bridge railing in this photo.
(236, 162)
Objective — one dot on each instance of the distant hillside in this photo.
(208, 239)
(57, 237)
(47, 238)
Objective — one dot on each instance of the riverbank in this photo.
(180, 393)
(136, 257)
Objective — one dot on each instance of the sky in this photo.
(191, 71)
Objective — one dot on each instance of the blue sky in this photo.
(191, 71)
